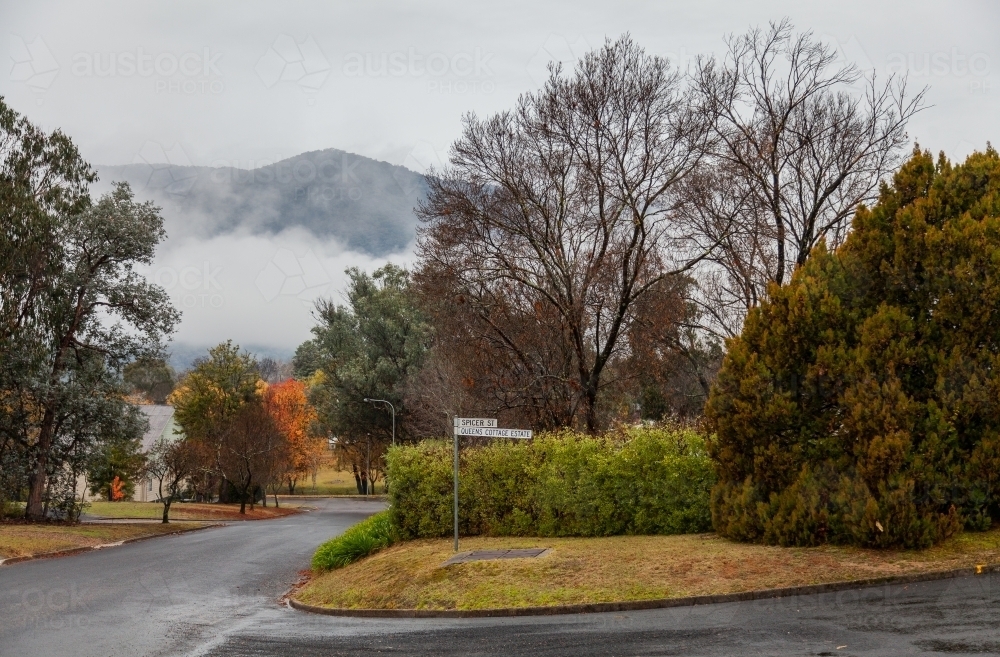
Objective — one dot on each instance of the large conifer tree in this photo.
(861, 404)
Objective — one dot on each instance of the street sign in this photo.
(483, 427)
(493, 432)
(475, 422)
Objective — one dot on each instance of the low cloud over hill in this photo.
(249, 250)
(364, 204)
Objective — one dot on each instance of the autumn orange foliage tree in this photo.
(295, 417)
(115, 491)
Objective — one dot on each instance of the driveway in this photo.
(216, 592)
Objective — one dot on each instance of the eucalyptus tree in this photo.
(96, 315)
(42, 179)
(73, 311)
(367, 348)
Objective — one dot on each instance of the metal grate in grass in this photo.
(488, 555)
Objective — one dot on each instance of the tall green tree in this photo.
(365, 349)
(207, 400)
(117, 455)
(96, 315)
(216, 387)
(861, 403)
(73, 312)
(152, 378)
(42, 180)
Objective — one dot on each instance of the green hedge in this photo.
(635, 481)
(369, 535)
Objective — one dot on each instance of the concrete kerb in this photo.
(126, 520)
(640, 605)
(90, 548)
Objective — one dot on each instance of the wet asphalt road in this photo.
(216, 592)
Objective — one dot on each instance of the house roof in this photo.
(160, 417)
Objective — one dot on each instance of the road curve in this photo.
(216, 592)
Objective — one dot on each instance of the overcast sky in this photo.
(245, 83)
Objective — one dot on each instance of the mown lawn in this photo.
(19, 540)
(190, 510)
(331, 481)
(583, 570)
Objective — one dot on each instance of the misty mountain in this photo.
(364, 204)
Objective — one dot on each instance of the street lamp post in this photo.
(369, 485)
(386, 401)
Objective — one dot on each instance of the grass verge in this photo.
(614, 569)
(188, 511)
(21, 540)
(331, 481)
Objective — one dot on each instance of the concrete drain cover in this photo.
(488, 555)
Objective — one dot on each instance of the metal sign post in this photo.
(484, 427)
(456, 484)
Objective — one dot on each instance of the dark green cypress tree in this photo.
(861, 403)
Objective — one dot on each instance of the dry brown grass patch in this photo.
(21, 540)
(618, 568)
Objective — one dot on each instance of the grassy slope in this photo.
(18, 540)
(581, 570)
(189, 510)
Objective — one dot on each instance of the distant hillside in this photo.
(365, 204)
(182, 355)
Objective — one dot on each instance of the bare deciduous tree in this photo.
(796, 151)
(172, 463)
(556, 218)
(249, 444)
(436, 391)
(672, 360)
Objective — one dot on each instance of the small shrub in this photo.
(10, 509)
(632, 481)
(368, 536)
